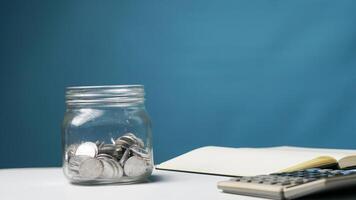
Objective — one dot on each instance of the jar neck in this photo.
(105, 96)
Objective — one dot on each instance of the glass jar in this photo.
(106, 135)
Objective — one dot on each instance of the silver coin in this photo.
(124, 157)
(69, 171)
(130, 135)
(75, 161)
(70, 151)
(87, 149)
(136, 166)
(139, 151)
(109, 170)
(136, 139)
(127, 140)
(140, 142)
(99, 144)
(119, 171)
(119, 153)
(124, 142)
(107, 148)
(91, 168)
(105, 156)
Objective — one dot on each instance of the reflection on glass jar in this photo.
(106, 135)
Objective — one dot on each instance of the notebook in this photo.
(255, 161)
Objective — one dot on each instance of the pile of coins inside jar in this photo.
(124, 157)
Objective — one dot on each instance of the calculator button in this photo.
(313, 176)
(257, 181)
(348, 172)
(336, 172)
(285, 183)
(306, 180)
(298, 181)
(324, 170)
(270, 182)
(312, 170)
(246, 179)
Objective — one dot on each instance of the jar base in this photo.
(124, 181)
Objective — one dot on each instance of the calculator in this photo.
(290, 185)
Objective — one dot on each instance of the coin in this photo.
(70, 151)
(140, 142)
(87, 149)
(125, 157)
(99, 144)
(75, 161)
(138, 151)
(124, 142)
(91, 168)
(127, 140)
(67, 170)
(118, 169)
(106, 156)
(136, 166)
(107, 148)
(109, 170)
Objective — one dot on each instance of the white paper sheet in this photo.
(246, 161)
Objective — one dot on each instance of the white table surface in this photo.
(50, 183)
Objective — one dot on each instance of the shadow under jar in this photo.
(106, 135)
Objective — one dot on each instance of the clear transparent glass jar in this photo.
(106, 135)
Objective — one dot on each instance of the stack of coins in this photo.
(125, 157)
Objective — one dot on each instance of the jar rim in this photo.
(104, 86)
(105, 95)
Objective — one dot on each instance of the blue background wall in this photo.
(231, 73)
